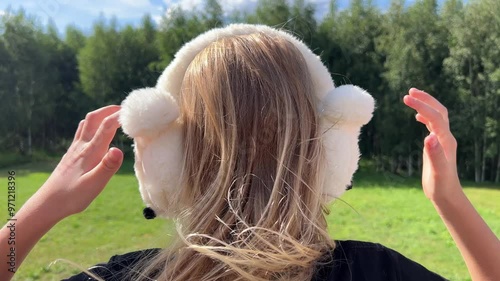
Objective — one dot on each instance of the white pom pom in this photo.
(344, 110)
(148, 111)
(348, 105)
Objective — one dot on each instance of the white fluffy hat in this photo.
(150, 117)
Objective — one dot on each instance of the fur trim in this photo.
(150, 117)
(171, 78)
(348, 105)
(342, 155)
(145, 112)
(344, 110)
(158, 164)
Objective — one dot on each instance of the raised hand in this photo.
(478, 245)
(79, 177)
(439, 175)
(88, 164)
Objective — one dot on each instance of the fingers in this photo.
(434, 118)
(99, 145)
(94, 119)
(99, 176)
(108, 166)
(79, 130)
(106, 131)
(435, 152)
(430, 100)
(422, 120)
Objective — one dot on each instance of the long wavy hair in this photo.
(253, 171)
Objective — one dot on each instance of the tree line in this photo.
(48, 81)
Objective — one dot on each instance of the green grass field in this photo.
(382, 208)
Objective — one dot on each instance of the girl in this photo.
(253, 148)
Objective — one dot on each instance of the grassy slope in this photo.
(381, 208)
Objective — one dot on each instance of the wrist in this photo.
(450, 203)
(43, 208)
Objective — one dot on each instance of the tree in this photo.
(26, 89)
(8, 107)
(415, 46)
(213, 15)
(348, 40)
(70, 103)
(113, 62)
(47, 83)
(74, 38)
(302, 22)
(474, 67)
(273, 13)
(176, 29)
(297, 18)
(99, 63)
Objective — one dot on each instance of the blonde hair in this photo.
(252, 175)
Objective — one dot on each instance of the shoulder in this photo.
(118, 267)
(360, 261)
(350, 260)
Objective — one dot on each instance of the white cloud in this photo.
(119, 8)
(187, 5)
(2, 12)
(227, 5)
(157, 19)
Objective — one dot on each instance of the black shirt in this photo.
(352, 261)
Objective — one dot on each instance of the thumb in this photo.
(108, 166)
(435, 152)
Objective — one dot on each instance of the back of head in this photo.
(251, 176)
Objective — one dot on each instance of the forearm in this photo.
(80, 176)
(478, 245)
(20, 234)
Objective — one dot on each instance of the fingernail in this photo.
(432, 140)
(114, 154)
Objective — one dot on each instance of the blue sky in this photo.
(83, 13)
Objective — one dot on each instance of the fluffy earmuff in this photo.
(145, 112)
(150, 117)
(343, 111)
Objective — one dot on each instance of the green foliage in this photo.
(113, 62)
(213, 16)
(347, 40)
(473, 63)
(48, 82)
(176, 30)
(297, 18)
(33, 82)
(273, 13)
(414, 45)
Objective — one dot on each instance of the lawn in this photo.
(383, 208)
